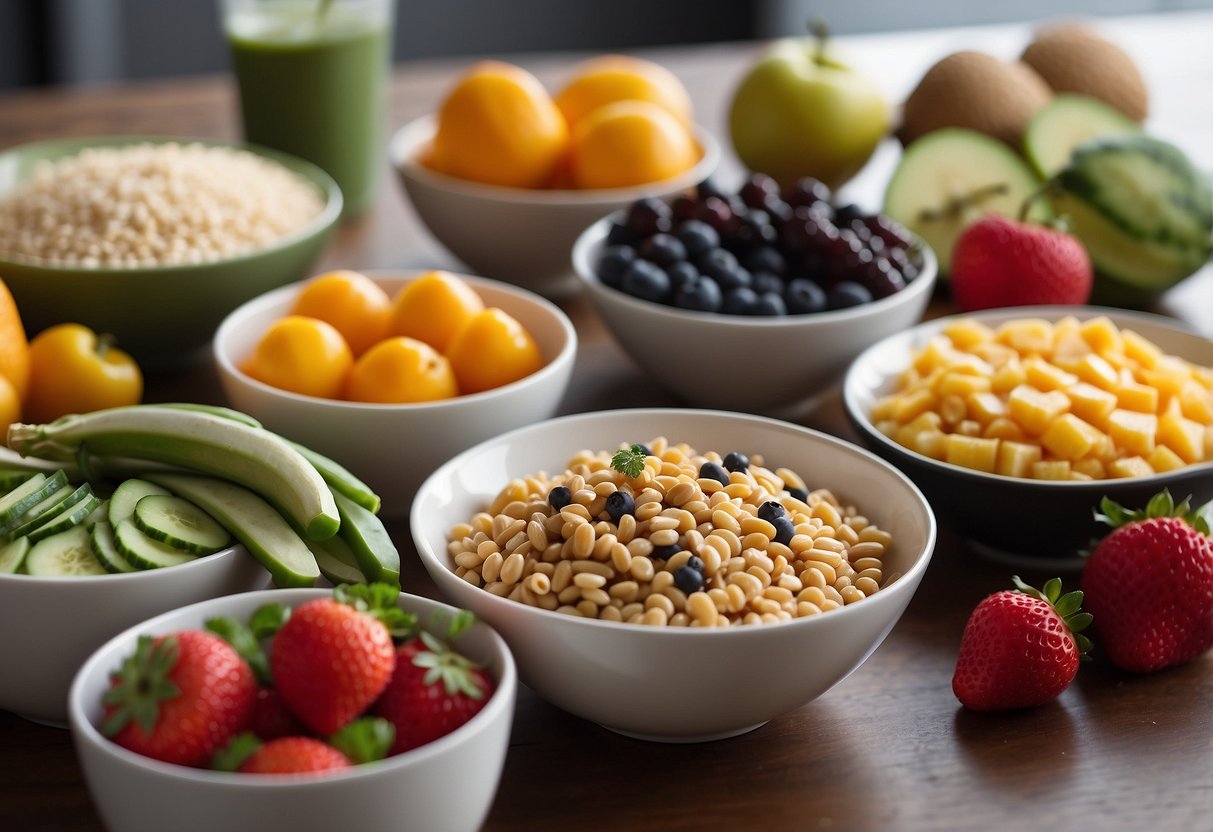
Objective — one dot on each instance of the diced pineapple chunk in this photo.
(1197, 402)
(1143, 351)
(1130, 395)
(1096, 370)
(969, 427)
(1051, 469)
(1069, 437)
(963, 362)
(1015, 459)
(1182, 435)
(985, 407)
(932, 442)
(926, 420)
(962, 384)
(1030, 336)
(1089, 466)
(1069, 350)
(1130, 466)
(883, 408)
(1007, 377)
(935, 354)
(1034, 410)
(952, 409)
(913, 402)
(1090, 403)
(966, 333)
(1101, 334)
(994, 353)
(1133, 431)
(972, 452)
(1003, 427)
(1065, 328)
(1044, 376)
(1168, 376)
(888, 427)
(1164, 459)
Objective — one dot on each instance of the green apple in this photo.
(801, 112)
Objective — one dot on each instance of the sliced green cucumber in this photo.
(102, 540)
(100, 513)
(339, 478)
(62, 500)
(180, 524)
(28, 494)
(12, 555)
(251, 520)
(336, 561)
(63, 520)
(1066, 122)
(142, 551)
(127, 495)
(372, 546)
(951, 177)
(10, 478)
(63, 555)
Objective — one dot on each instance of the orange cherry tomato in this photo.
(433, 308)
(401, 370)
(351, 302)
(301, 355)
(492, 349)
(74, 370)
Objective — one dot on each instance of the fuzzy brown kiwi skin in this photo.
(1076, 59)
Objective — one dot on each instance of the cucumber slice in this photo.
(62, 500)
(100, 514)
(10, 478)
(951, 164)
(102, 540)
(31, 492)
(372, 546)
(1066, 122)
(63, 555)
(142, 551)
(251, 520)
(336, 561)
(12, 554)
(180, 524)
(64, 520)
(127, 495)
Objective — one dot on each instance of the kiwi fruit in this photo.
(975, 91)
(1075, 59)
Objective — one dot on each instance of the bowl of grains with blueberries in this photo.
(676, 575)
(155, 239)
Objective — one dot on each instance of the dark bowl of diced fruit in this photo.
(755, 301)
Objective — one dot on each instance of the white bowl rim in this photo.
(402, 152)
(595, 234)
(565, 356)
(905, 579)
(123, 578)
(417, 756)
(330, 212)
(851, 384)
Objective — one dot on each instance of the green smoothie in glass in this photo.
(313, 82)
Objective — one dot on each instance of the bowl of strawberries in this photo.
(315, 705)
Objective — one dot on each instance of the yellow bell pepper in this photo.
(74, 370)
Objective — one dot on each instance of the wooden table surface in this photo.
(887, 749)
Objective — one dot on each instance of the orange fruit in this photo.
(499, 126)
(433, 308)
(14, 347)
(492, 349)
(301, 355)
(351, 302)
(401, 370)
(610, 78)
(10, 407)
(630, 143)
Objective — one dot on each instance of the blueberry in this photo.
(681, 274)
(843, 214)
(738, 301)
(770, 510)
(696, 564)
(848, 293)
(769, 304)
(683, 208)
(756, 190)
(766, 282)
(697, 237)
(644, 449)
(613, 262)
(801, 494)
(765, 259)
(707, 188)
(714, 471)
(754, 228)
(665, 552)
(647, 281)
(803, 296)
(559, 497)
(701, 295)
(784, 530)
(621, 235)
(736, 461)
(808, 191)
(663, 249)
(688, 579)
(648, 216)
(619, 503)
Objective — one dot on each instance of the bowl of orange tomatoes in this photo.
(392, 373)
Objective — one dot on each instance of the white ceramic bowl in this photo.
(1025, 522)
(393, 447)
(519, 235)
(680, 684)
(448, 784)
(49, 626)
(753, 364)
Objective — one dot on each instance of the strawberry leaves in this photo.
(1068, 607)
(378, 600)
(1161, 504)
(442, 664)
(365, 740)
(141, 684)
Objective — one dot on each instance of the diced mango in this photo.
(1051, 469)
(1104, 450)
(888, 427)
(1034, 410)
(1089, 466)
(1143, 351)
(1031, 336)
(1008, 377)
(1069, 437)
(935, 354)
(1101, 334)
(1090, 403)
(994, 354)
(1169, 375)
(1096, 370)
(1120, 361)
(985, 407)
(1133, 431)
(1164, 459)
(962, 384)
(963, 362)
(1079, 475)
(1065, 328)
(1131, 395)
(1182, 435)
(1130, 466)
(913, 402)
(1003, 427)
(972, 452)
(1015, 459)
(1044, 376)
(967, 333)
(926, 420)
(1196, 402)
(1069, 350)
(883, 408)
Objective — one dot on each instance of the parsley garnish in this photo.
(629, 461)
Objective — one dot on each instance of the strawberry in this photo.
(272, 718)
(1150, 584)
(360, 741)
(999, 262)
(294, 755)
(179, 697)
(1020, 648)
(433, 691)
(334, 656)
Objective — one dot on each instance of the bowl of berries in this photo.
(752, 301)
(239, 713)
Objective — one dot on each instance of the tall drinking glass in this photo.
(313, 78)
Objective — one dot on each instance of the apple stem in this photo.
(821, 31)
(954, 206)
(1047, 188)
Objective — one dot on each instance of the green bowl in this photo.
(163, 315)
